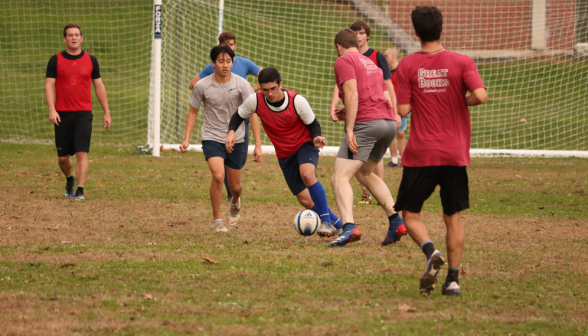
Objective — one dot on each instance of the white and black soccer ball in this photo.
(306, 222)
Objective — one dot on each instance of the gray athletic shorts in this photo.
(373, 139)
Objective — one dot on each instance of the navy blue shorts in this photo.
(233, 160)
(307, 153)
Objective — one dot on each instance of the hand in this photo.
(341, 113)
(191, 86)
(351, 143)
(257, 154)
(54, 118)
(230, 141)
(333, 115)
(319, 141)
(107, 121)
(184, 146)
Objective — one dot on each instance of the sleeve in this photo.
(383, 64)
(252, 68)
(248, 107)
(344, 71)
(471, 76)
(314, 128)
(235, 121)
(304, 110)
(96, 68)
(246, 89)
(52, 67)
(197, 95)
(207, 71)
(404, 89)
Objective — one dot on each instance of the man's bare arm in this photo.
(479, 96)
(334, 102)
(404, 110)
(257, 86)
(351, 102)
(194, 81)
(190, 123)
(50, 97)
(100, 91)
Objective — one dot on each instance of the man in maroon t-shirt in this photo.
(70, 74)
(370, 126)
(433, 83)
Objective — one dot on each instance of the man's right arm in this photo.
(190, 122)
(51, 78)
(50, 97)
(477, 97)
(334, 102)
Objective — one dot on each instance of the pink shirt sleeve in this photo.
(344, 70)
(404, 89)
(471, 76)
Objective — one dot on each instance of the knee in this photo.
(218, 178)
(63, 159)
(236, 188)
(308, 178)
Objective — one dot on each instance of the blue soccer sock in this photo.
(319, 197)
(337, 222)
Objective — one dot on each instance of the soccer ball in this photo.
(306, 222)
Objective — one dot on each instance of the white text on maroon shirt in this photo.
(429, 79)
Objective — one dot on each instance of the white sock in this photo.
(395, 160)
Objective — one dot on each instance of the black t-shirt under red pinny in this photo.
(74, 75)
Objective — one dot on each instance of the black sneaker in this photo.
(391, 164)
(69, 188)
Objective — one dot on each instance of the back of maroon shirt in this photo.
(372, 104)
(435, 86)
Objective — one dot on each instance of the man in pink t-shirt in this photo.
(434, 83)
(370, 126)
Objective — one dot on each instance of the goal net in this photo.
(531, 55)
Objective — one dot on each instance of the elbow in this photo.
(481, 95)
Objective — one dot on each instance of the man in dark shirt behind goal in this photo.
(67, 90)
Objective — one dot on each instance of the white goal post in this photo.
(527, 57)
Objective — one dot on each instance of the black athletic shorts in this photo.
(307, 153)
(73, 133)
(233, 160)
(418, 183)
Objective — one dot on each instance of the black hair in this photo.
(268, 75)
(221, 49)
(427, 22)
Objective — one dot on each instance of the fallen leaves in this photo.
(219, 246)
(101, 185)
(147, 297)
(523, 120)
(404, 308)
(208, 260)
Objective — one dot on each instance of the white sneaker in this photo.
(451, 288)
(429, 278)
(235, 212)
(218, 226)
(326, 230)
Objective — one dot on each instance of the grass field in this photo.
(130, 260)
(295, 36)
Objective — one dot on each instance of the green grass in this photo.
(550, 94)
(85, 268)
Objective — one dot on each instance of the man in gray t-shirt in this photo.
(222, 93)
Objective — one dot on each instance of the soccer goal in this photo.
(531, 54)
(528, 54)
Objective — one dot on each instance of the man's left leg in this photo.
(233, 165)
(344, 171)
(82, 168)
(329, 222)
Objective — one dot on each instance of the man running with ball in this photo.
(292, 127)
